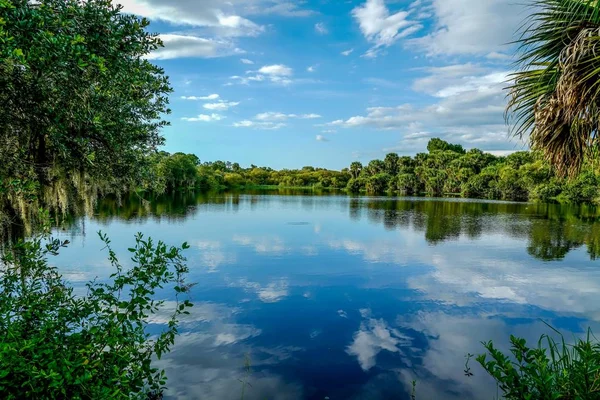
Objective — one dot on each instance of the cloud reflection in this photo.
(374, 336)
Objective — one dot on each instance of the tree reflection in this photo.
(551, 230)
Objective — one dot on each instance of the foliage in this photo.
(77, 92)
(551, 370)
(56, 344)
(446, 170)
(555, 97)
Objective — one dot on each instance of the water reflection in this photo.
(354, 298)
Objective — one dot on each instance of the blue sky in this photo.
(322, 82)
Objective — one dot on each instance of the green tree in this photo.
(437, 144)
(77, 92)
(392, 164)
(355, 169)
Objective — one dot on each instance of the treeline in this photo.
(444, 170)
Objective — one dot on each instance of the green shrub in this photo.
(551, 370)
(57, 345)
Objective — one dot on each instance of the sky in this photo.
(285, 83)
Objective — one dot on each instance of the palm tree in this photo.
(555, 96)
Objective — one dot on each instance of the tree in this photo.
(355, 169)
(375, 167)
(76, 88)
(392, 163)
(554, 97)
(437, 144)
(377, 184)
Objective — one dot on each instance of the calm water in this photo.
(354, 298)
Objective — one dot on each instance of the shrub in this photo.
(55, 344)
(551, 370)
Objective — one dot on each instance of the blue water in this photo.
(354, 298)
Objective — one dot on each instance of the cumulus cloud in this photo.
(347, 52)
(380, 27)
(312, 68)
(276, 70)
(246, 61)
(469, 110)
(277, 73)
(321, 138)
(208, 13)
(321, 29)
(187, 46)
(221, 105)
(204, 118)
(470, 26)
(197, 98)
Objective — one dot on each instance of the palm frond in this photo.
(555, 96)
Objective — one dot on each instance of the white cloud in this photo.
(204, 118)
(380, 27)
(246, 61)
(277, 116)
(471, 26)
(276, 70)
(321, 29)
(277, 73)
(347, 52)
(469, 110)
(196, 98)
(185, 46)
(310, 116)
(259, 125)
(221, 105)
(273, 116)
(207, 13)
(284, 8)
(312, 68)
(321, 138)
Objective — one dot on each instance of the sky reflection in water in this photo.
(352, 298)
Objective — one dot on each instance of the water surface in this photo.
(354, 298)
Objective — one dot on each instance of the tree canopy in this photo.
(77, 93)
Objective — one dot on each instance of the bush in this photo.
(355, 185)
(550, 370)
(582, 189)
(55, 344)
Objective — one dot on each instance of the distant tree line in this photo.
(444, 170)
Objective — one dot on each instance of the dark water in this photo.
(354, 298)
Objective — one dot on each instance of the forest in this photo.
(444, 170)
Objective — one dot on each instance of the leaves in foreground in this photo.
(552, 370)
(56, 344)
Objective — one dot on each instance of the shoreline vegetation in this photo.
(445, 170)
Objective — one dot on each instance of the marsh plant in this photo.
(57, 344)
(550, 370)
